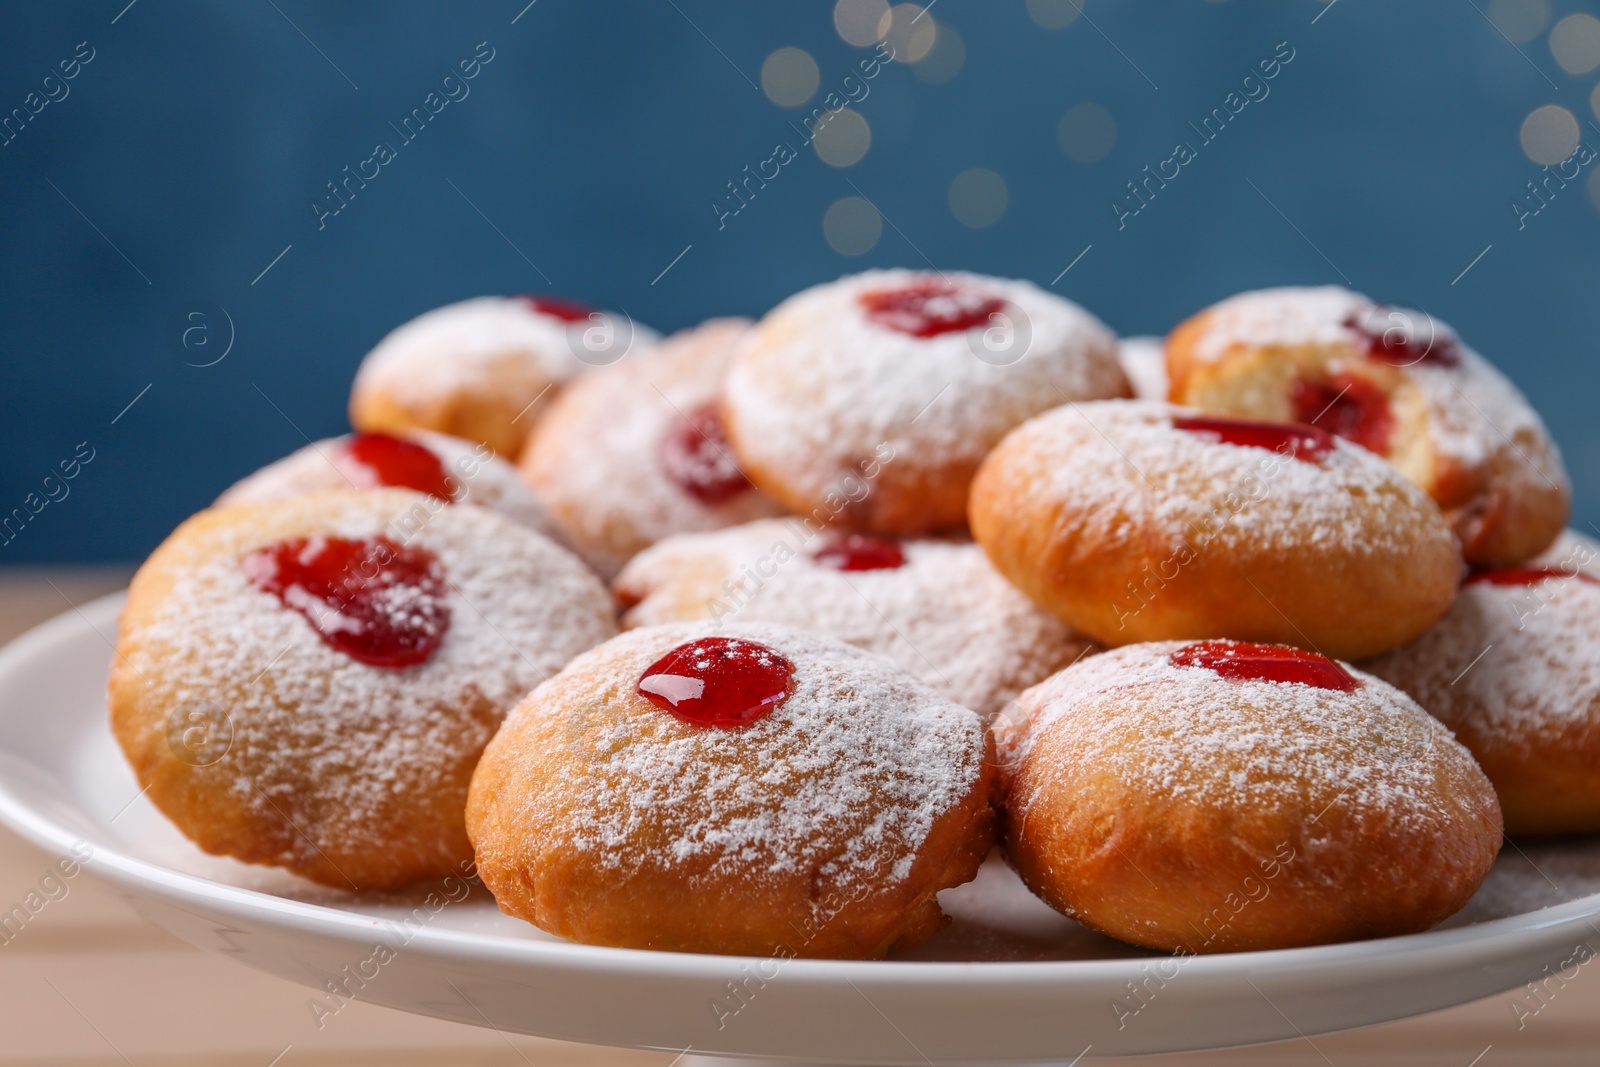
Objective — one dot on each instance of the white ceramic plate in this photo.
(1009, 981)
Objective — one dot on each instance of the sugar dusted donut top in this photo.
(518, 608)
(631, 453)
(1223, 743)
(457, 347)
(1472, 408)
(1129, 458)
(858, 378)
(1284, 317)
(847, 776)
(472, 473)
(944, 613)
(1518, 656)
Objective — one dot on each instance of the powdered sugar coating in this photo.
(819, 387)
(1288, 316)
(1262, 747)
(1513, 663)
(843, 781)
(946, 615)
(480, 476)
(1144, 361)
(594, 461)
(1128, 460)
(457, 347)
(1474, 415)
(519, 606)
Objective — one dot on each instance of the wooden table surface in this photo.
(89, 983)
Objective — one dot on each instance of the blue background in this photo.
(597, 139)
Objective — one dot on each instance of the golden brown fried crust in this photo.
(307, 774)
(522, 823)
(1540, 749)
(1195, 877)
(1547, 785)
(424, 837)
(683, 910)
(1190, 881)
(1079, 556)
(1511, 518)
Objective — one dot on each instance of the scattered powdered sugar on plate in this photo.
(845, 778)
(482, 477)
(519, 607)
(1532, 875)
(1226, 744)
(946, 614)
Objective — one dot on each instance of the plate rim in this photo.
(111, 863)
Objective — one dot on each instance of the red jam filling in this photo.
(930, 308)
(1393, 337)
(718, 681)
(860, 552)
(1307, 443)
(1347, 407)
(558, 307)
(1248, 661)
(1527, 576)
(695, 456)
(379, 603)
(371, 460)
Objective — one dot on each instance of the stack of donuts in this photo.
(755, 638)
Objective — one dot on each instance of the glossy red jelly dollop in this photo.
(558, 307)
(1347, 407)
(718, 681)
(1249, 661)
(1307, 443)
(930, 308)
(860, 552)
(1404, 338)
(695, 456)
(371, 460)
(378, 602)
(1527, 576)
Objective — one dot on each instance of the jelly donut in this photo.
(1144, 361)
(1221, 796)
(482, 368)
(631, 453)
(1514, 670)
(1395, 381)
(308, 682)
(937, 608)
(1136, 521)
(751, 789)
(434, 463)
(871, 400)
